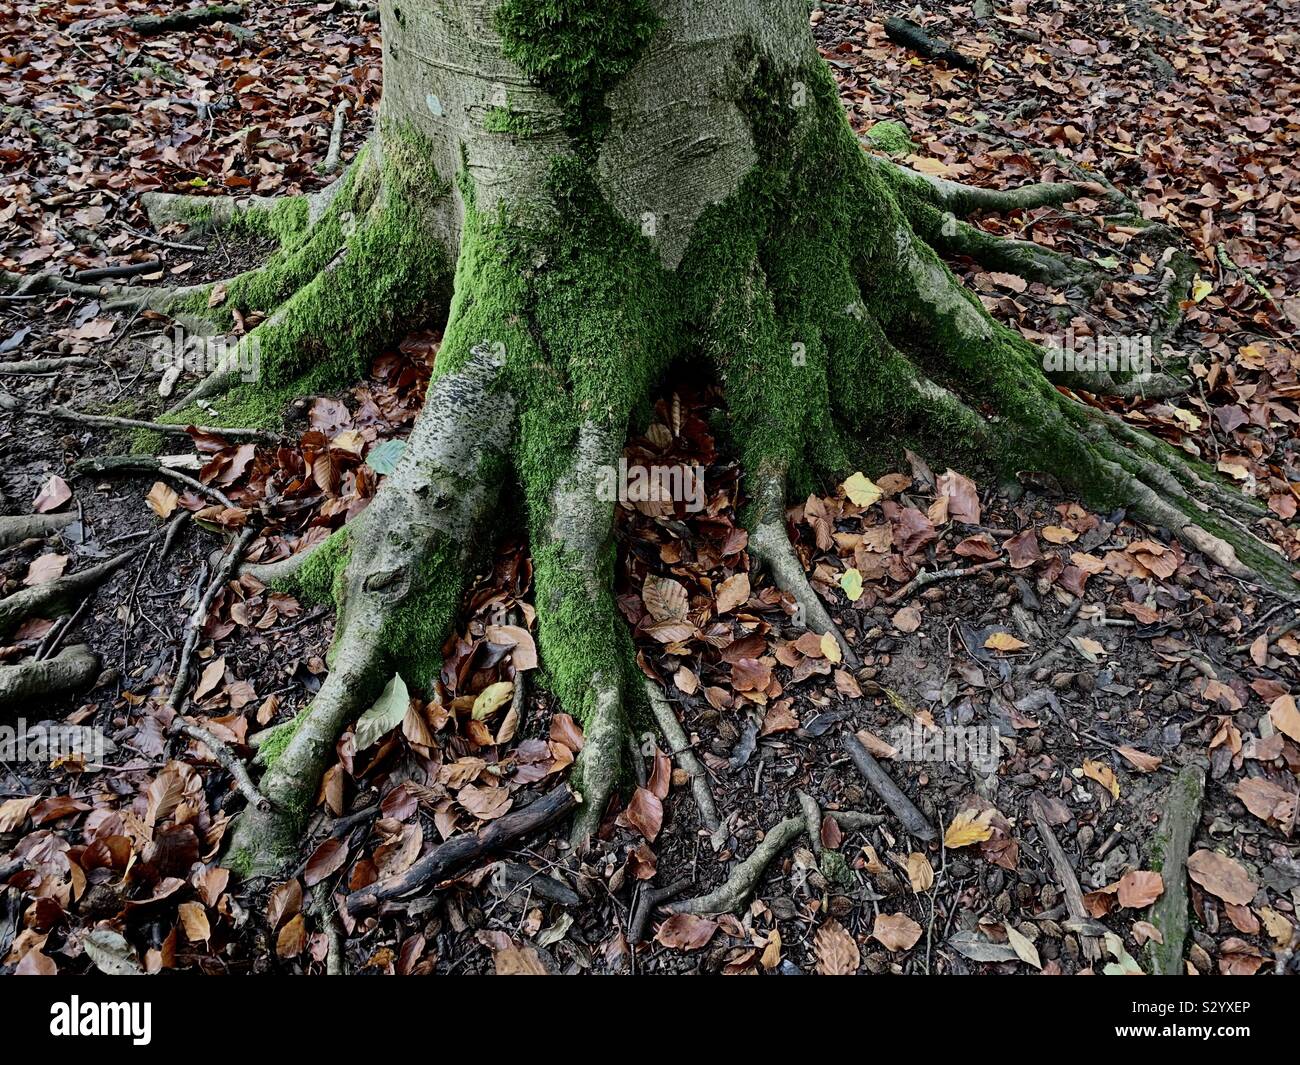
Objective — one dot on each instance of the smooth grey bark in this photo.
(678, 141)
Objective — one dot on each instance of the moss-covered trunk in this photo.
(621, 186)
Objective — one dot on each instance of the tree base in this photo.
(816, 301)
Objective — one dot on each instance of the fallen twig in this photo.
(108, 421)
(907, 33)
(463, 851)
(883, 785)
(928, 577)
(1169, 849)
(1065, 876)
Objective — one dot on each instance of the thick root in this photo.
(71, 669)
(17, 528)
(684, 756)
(54, 597)
(410, 555)
(769, 543)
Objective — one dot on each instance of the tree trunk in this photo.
(615, 188)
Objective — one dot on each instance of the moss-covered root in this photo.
(402, 578)
(926, 312)
(770, 544)
(962, 200)
(354, 271)
(585, 646)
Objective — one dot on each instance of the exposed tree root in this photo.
(54, 597)
(683, 755)
(1169, 854)
(734, 892)
(398, 591)
(70, 670)
(43, 366)
(127, 464)
(14, 529)
(770, 544)
(964, 200)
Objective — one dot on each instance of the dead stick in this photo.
(1169, 849)
(924, 578)
(70, 415)
(1066, 878)
(463, 851)
(224, 756)
(883, 785)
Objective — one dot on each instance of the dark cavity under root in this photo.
(400, 585)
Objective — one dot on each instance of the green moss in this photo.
(576, 51)
(147, 442)
(891, 136)
(364, 273)
(504, 120)
(277, 741)
(318, 579)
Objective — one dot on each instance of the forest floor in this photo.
(1096, 658)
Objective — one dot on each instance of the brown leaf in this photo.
(1142, 762)
(1022, 549)
(665, 599)
(326, 859)
(53, 494)
(686, 931)
(896, 931)
(162, 500)
(962, 495)
(1139, 888)
(836, 950)
(292, 938)
(1221, 876)
(645, 813)
(524, 655)
(45, 568)
(194, 920)
(733, 593)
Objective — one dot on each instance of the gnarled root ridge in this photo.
(406, 564)
(358, 265)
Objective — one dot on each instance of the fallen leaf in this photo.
(896, 931)
(1221, 876)
(836, 950)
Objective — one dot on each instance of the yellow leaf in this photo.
(1004, 641)
(969, 826)
(851, 582)
(831, 647)
(861, 490)
(1200, 289)
(162, 500)
(492, 698)
(1103, 775)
